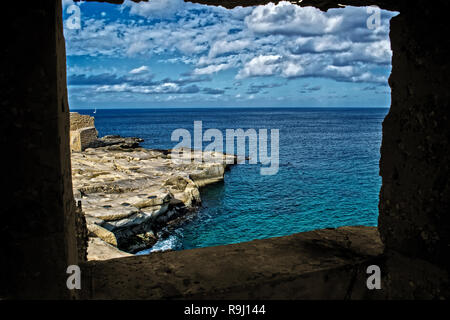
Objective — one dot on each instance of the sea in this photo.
(328, 172)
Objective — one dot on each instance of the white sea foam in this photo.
(170, 243)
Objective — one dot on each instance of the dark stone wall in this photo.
(414, 208)
(37, 233)
(415, 195)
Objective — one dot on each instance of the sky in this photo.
(168, 53)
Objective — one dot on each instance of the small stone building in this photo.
(82, 132)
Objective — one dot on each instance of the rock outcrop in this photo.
(129, 193)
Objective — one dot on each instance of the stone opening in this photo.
(344, 35)
(414, 199)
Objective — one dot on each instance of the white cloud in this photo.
(339, 71)
(327, 43)
(211, 69)
(151, 89)
(67, 3)
(166, 87)
(224, 46)
(260, 66)
(378, 52)
(306, 66)
(283, 40)
(286, 18)
(292, 70)
(140, 70)
(95, 38)
(155, 8)
(369, 77)
(114, 88)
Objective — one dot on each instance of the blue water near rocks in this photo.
(328, 175)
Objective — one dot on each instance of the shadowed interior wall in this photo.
(415, 155)
(38, 235)
(414, 207)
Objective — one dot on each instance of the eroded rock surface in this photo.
(129, 193)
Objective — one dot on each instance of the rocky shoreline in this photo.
(129, 194)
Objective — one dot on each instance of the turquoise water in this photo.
(328, 175)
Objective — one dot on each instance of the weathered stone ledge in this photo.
(322, 264)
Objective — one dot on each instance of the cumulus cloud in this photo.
(283, 40)
(319, 44)
(307, 66)
(165, 88)
(260, 66)
(67, 3)
(211, 69)
(291, 70)
(289, 19)
(95, 38)
(140, 70)
(378, 52)
(224, 46)
(137, 81)
(162, 9)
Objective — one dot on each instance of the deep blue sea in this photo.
(328, 175)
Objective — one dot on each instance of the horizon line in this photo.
(228, 107)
